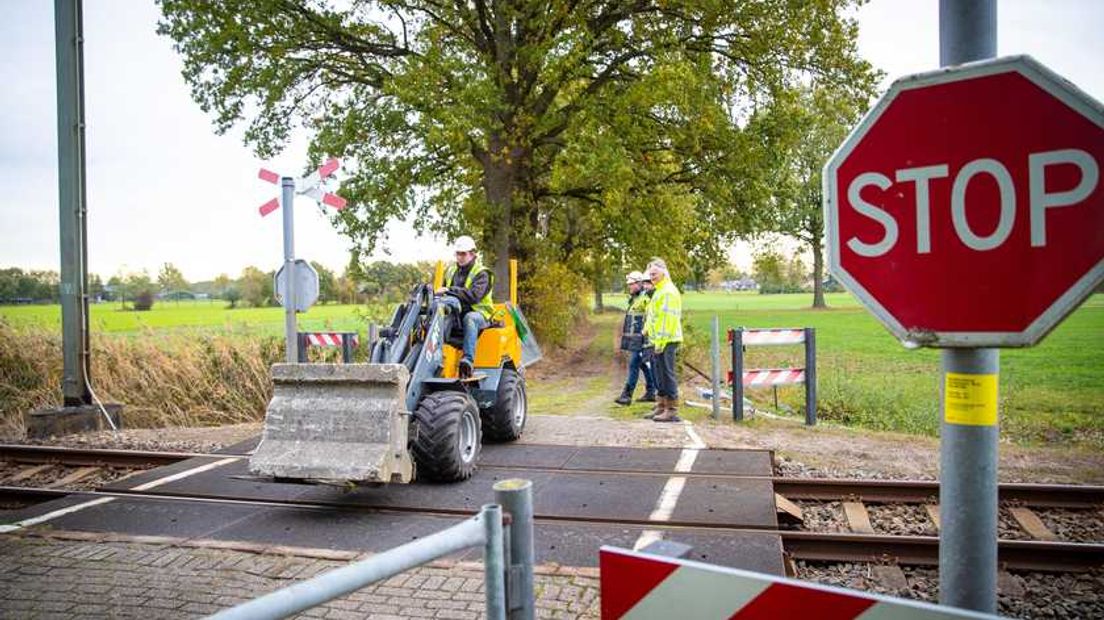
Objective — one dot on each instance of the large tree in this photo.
(569, 130)
(804, 127)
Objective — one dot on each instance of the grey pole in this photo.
(494, 573)
(737, 337)
(516, 498)
(715, 357)
(968, 452)
(810, 377)
(287, 184)
(69, 46)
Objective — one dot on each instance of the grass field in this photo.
(1052, 393)
(206, 315)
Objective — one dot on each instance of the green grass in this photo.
(1051, 393)
(204, 315)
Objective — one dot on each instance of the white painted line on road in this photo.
(695, 439)
(11, 527)
(668, 498)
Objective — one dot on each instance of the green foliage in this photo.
(141, 290)
(777, 275)
(594, 133)
(327, 290)
(17, 285)
(554, 300)
(385, 281)
(255, 287)
(170, 279)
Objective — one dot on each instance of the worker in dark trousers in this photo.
(663, 326)
(632, 340)
(467, 293)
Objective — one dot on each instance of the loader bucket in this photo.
(336, 423)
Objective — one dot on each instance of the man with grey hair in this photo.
(663, 328)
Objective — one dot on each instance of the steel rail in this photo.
(820, 489)
(814, 546)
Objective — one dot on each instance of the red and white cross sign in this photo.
(642, 586)
(966, 209)
(308, 186)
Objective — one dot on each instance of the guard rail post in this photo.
(810, 377)
(516, 498)
(347, 344)
(736, 336)
(302, 345)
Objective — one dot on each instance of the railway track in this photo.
(862, 544)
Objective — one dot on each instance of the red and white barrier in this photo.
(640, 586)
(763, 337)
(328, 339)
(767, 377)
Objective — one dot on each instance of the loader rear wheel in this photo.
(505, 420)
(448, 440)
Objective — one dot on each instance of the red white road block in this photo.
(308, 186)
(766, 377)
(328, 339)
(638, 586)
(772, 336)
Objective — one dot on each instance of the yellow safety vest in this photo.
(484, 306)
(663, 322)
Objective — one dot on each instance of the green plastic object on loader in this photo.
(406, 413)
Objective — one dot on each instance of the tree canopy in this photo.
(584, 132)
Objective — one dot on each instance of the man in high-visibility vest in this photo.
(467, 293)
(640, 360)
(663, 327)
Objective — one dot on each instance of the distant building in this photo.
(742, 284)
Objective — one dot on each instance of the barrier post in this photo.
(347, 347)
(516, 498)
(494, 575)
(715, 359)
(302, 344)
(810, 377)
(737, 338)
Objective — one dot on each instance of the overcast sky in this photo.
(162, 187)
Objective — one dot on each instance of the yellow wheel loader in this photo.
(407, 412)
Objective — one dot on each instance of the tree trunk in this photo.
(499, 183)
(818, 273)
(598, 305)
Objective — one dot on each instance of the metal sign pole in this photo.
(287, 185)
(969, 426)
(715, 358)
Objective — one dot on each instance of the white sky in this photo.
(162, 187)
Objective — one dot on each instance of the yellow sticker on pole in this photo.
(970, 399)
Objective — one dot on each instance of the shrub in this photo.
(143, 300)
(554, 301)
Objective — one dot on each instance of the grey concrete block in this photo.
(58, 421)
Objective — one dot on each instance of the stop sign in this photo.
(966, 209)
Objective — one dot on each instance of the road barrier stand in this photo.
(506, 538)
(346, 340)
(741, 338)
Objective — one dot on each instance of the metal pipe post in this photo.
(347, 347)
(810, 377)
(287, 184)
(715, 358)
(494, 567)
(969, 426)
(516, 498)
(968, 479)
(72, 207)
(737, 338)
(301, 340)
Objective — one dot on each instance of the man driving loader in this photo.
(467, 293)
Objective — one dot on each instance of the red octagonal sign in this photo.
(967, 209)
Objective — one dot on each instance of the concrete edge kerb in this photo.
(336, 555)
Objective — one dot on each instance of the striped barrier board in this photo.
(763, 337)
(328, 339)
(642, 586)
(767, 377)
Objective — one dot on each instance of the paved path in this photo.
(98, 576)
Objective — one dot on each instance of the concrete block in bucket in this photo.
(336, 423)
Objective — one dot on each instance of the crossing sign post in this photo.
(966, 212)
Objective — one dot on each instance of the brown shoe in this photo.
(659, 407)
(670, 413)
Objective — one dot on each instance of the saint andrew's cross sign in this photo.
(967, 209)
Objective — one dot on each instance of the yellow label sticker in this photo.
(970, 399)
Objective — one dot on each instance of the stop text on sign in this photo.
(978, 169)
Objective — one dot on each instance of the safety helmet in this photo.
(634, 277)
(464, 243)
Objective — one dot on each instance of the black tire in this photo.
(448, 438)
(505, 420)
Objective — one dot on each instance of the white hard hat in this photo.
(634, 277)
(464, 243)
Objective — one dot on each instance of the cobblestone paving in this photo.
(59, 578)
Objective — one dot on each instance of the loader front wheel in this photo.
(448, 440)
(505, 420)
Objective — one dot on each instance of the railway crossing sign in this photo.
(966, 209)
(306, 285)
